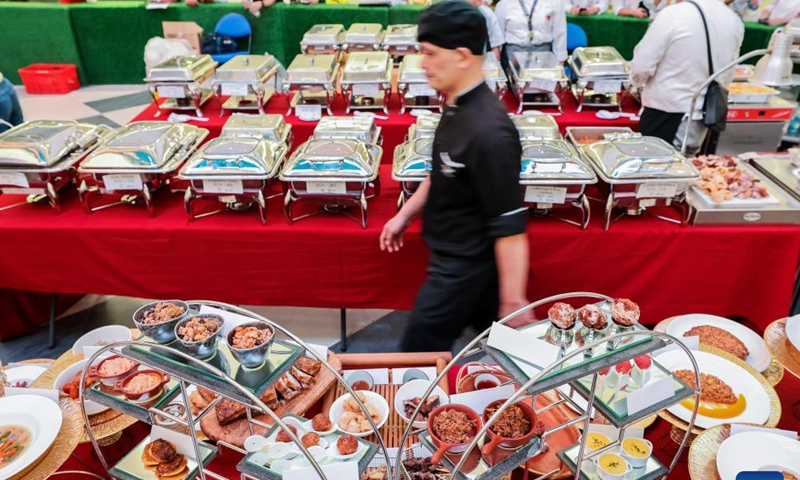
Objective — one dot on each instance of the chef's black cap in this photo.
(454, 24)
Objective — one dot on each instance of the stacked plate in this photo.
(758, 452)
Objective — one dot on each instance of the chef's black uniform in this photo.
(474, 199)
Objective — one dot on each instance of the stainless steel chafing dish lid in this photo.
(186, 68)
(599, 62)
(634, 160)
(356, 128)
(235, 157)
(492, 70)
(247, 68)
(44, 143)
(537, 65)
(425, 127)
(324, 34)
(312, 69)
(333, 159)
(268, 127)
(364, 34)
(536, 127)
(411, 70)
(144, 146)
(413, 159)
(368, 67)
(553, 161)
(400, 35)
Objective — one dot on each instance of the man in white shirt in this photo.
(638, 8)
(780, 12)
(586, 7)
(533, 26)
(496, 39)
(671, 61)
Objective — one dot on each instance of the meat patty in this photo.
(174, 466)
(712, 388)
(162, 451)
(719, 338)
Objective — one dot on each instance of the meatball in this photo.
(562, 315)
(284, 437)
(321, 423)
(347, 444)
(592, 317)
(624, 312)
(310, 439)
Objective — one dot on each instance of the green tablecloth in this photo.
(106, 39)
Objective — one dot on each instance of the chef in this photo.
(670, 63)
(586, 7)
(10, 111)
(496, 38)
(780, 12)
(638, 8)
(533, 26)
(474, 221)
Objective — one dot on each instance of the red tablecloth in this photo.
(330, 261)
(395, 128)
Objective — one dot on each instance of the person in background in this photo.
(473, 221)
(780, 12)
(255, 6)
(533, 26)
(496, 39)
(741, 6)
(638, 8)
(10, 110)
(586, 7)
(671, 63)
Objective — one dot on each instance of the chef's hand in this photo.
(640, 13)
(524, 318)
(392, 235)
(592, 10)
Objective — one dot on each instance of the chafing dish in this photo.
(494, 75)
(413, 159)
(323, 39)
(782, 181)
(367, 81)
(553, 178)
(181, 81)
(639, 173)
(362, 129)
(238, 168)
(400, 40)
(136, 161)
(363, 37)
(586, 135)
(249, 81)
(537, 79)
(413, 87)
(38, 158)
(601, 75)
(334, 173)
(313, 77)
(536, 127)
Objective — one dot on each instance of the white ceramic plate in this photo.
(40, 416)
(793, 330)
(92, 408)
(25, 373)
(739, 379)
(99, 337)
(372, 398)
(758, 451)
(412, 389)
(759, 357)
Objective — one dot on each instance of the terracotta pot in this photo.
(496, 440)
(121, 386)
(441, 445)
(110, 380)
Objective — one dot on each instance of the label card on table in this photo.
(543, 84)
(223, 186)
(650, 394)
(15, 179)
(607, 86)
(235, 89)
(326, 188)
(421, 90)
(309, 113)
(123, 181)
(657, 190)
(360, 89)
(171, 91)
(534, 194)
(479, 399)
(647, 202)
(227, 198)
(339, 471)
(525, 347)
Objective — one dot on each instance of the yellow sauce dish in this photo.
(612, 466)
(636, 451)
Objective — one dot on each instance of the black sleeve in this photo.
(497, 182)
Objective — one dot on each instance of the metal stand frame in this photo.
(521, 394)
(255, 402)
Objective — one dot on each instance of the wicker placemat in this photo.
(781, 348)
(773, 373)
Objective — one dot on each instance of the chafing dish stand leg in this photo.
(148, 201)
(188, 203)
(153, 94)
(52, 197)
(581, 91)
(262, 207)
(196, 96)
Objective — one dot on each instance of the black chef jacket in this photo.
(475, 195)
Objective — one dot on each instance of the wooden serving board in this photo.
(236, 432)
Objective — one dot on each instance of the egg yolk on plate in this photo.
(718, 410)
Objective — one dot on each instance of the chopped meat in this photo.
(512, 423)
(712, 389)
(719, 338)
(162, 312)
(427, 407)
(453, 426)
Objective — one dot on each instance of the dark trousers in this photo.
(457, 293)
(664, 125)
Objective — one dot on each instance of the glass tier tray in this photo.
(652, 470)
(107, 396)
(132, 468)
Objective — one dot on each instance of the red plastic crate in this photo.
(50, 78)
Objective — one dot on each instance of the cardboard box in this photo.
(189, 31)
